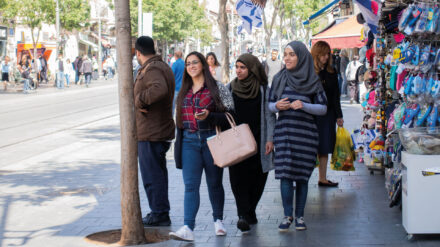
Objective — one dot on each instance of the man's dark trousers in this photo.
(152, 163)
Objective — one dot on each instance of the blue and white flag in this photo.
(250, 13)
(370, 10)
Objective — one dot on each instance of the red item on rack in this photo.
(370, 56)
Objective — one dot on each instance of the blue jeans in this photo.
(287, 197)
(153, 166)
(26, 85)
(110, 72)
(196, 157)
(88, 78)
(67, 79)
(344, 84)
(60, 79)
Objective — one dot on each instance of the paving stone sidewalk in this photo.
(73, 201)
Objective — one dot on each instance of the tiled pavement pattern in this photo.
(354, 214)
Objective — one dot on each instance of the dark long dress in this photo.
(327, 123)
(296, 138)
(247, 177)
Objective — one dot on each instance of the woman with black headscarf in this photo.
(298, 96)
(248, 178)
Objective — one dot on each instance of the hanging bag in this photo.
(343, 155)
(233, 145)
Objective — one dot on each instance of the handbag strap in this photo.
(231, 121)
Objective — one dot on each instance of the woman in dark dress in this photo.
(248, 178)
(327, 123)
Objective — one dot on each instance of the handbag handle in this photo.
(231, 121)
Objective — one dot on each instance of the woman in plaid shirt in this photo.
(201, 105)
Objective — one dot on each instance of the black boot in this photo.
(151, 219)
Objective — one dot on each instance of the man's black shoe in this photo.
(243, 225)
(156, 220)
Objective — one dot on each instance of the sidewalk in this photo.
(50, 87)
(58, 202)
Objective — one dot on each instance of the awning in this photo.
(344, 35)
(86, 42)
(320, 12)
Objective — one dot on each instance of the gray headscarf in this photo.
(302, 79)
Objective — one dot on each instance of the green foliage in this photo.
(303, 10)
(74, 14)
(32, 13)
(173, 20)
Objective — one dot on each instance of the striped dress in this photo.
(296, 139)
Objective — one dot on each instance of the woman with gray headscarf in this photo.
(297, 95)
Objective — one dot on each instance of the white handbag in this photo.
(233, 145)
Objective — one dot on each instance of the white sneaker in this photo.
(183, 234)
(220, 229)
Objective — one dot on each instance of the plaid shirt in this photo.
(194, 103)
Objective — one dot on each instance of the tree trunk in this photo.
(268, 27)
(224, 30)
(132, 227)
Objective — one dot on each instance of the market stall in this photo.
(401, 133)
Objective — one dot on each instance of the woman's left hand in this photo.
(340, 122)
(296, 105)
(202, 116)
(269, 147)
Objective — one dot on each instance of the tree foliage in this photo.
(173, 20)
(74, 14)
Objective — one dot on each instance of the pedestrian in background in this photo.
(69, 72)
(60, 72)
(178, 68)
(251, 94)
(6, 68)
(272, 66)
(77, 66)
(201, 106)
(323, 65)
(43, 69)
(352, 80)
(343, 67)
(153, 95)
(86, 69)
(214, 66)
(110, 65)
(297, 96)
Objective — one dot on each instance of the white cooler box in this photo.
(420, 194)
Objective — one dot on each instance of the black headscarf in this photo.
(302, 79)
(249, 87)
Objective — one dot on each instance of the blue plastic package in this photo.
(410, 113)
(433, 117)
(424, 112)
(408, 85)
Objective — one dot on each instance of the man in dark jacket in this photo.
(153, 95)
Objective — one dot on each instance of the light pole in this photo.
(57, 28)
(140, 18)
(99, 60)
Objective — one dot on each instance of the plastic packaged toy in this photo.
(423, 114)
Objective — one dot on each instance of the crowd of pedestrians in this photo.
(280, 102)
(33, 72)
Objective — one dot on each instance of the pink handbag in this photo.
(233, 145)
